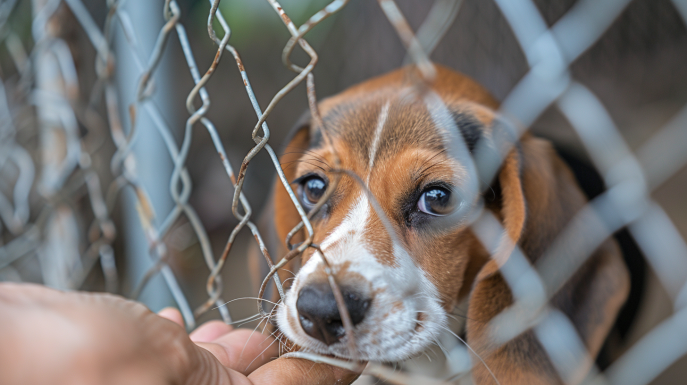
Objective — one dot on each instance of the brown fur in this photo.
(537, 197)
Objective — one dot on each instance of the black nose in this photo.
(319, 314)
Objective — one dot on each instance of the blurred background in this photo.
(54, 164)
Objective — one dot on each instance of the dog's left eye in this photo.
(436, 201)
(312, 189)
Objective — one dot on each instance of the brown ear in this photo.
(539, 198)
(513, 203)
(285, 214)
(513, 212)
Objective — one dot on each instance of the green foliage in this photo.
(253, 21)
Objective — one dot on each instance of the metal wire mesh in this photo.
(50, 191)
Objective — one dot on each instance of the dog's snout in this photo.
(319, 316)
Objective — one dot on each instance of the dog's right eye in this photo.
(437, 201)
(312, 189)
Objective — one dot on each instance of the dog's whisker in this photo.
(435, 340)
(253, 298)
(425, 296)
(265, 325)
(427, 355)
(265, 319)
(242, 321)
(441, 347)
(269, 316)
(261, 353)
(473, 352)
(258, 316)
(455, 316)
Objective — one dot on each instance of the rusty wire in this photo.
(630, 177)
(73, 172)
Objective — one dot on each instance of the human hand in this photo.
(55, 337)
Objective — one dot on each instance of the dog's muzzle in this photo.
(319, 315)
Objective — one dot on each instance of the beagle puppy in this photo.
(402, 271)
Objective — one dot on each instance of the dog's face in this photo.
(400, 270)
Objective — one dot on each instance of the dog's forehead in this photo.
(377, 129)
(385, 124)
(385, 115)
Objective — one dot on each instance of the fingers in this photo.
(209, 371)
(283, 371)
(24, 293)
(210, 331)
(173, 315)
(296, 371)
(243, 350)
(207, 332)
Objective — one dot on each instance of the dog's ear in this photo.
(505, 195)
(297, 143)
(487, 136)
(510, 207)
(279, 215)
(513, 210)
(539, 197)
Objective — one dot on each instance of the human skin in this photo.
(55, 337)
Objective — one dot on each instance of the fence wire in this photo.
(54, 197)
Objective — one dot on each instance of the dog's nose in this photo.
(319, 315)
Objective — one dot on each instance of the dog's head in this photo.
(402, 263)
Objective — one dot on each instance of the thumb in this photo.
(208, 370)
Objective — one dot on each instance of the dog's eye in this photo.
(312, 189)
(436, 201)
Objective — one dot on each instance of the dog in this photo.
(397, 236)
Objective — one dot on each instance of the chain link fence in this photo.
(68, 151)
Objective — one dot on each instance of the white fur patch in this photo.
(354, 222)
(381, 120)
